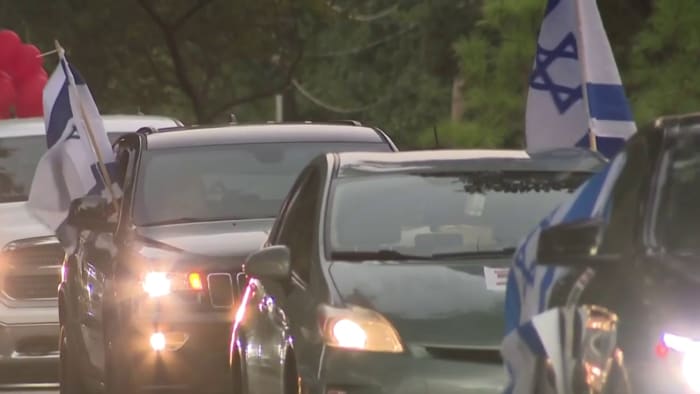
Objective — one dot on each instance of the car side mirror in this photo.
(272, 262)
(574, 244)
(91, 213)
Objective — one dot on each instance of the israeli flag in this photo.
(575, 87)
(529, 285)
(75, 138)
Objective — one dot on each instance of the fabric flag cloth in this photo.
(529, 286)
(70, 169)
(575, 86)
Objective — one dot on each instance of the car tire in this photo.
(70, 380)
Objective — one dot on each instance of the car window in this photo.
(19, 157)
(241, 181)
(628, 197)
(298, 229)
(679, 214)
(432, 213)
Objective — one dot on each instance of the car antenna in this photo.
(435, 134)
(233, 119)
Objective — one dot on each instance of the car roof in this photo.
(263, 133)
(113, 124)
(560, 160)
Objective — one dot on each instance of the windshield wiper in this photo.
(505, 252)
(188, 219)
(384, 254)
(173, 221)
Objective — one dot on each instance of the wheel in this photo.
(69, 369)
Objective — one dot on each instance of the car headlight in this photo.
(159, 284)
(360, 329)
(690, 350)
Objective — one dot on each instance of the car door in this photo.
(299, 231)
(95, 265)
(268, 324)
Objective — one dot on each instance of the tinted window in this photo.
(427, 214)
(18, 159)
(679, 214)
(300, 223)
(240, 181)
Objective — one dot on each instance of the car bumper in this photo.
(350, 372)
(196, 353)
(28, 345)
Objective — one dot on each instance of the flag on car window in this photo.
(75, 138)
(575, 87)
(529, 285)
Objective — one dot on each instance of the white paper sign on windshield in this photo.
(496, 278)
(474, 205)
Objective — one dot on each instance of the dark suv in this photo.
(644, 253)
(146, 299)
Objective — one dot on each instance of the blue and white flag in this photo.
(529, 285)
(70, 168)
(575, 87)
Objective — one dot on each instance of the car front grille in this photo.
(31, 271)
(25, 287)
(220, 290)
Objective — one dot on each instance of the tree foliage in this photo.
(451, 73)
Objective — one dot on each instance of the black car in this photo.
(385, 273)
(644, 256)
(146, 302)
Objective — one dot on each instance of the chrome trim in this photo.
(29, 242)
(29, 386)
(46, 356)
(230, 281)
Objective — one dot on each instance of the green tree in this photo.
(196, 60)
(663, 77)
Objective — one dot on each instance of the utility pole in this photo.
(279, 108)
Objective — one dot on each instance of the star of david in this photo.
(551, 5)
(563, 96)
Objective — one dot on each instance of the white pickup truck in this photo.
(30, 256)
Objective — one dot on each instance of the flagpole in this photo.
(93, 143)
(592, 142)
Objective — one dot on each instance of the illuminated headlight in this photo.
(156, 284)
(690, 365)
(359, 329)
(159, 284)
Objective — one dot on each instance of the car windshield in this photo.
(241, 181)
(678, 215)
(425, 214)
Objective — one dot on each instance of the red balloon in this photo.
(7, 92)
(9, 44)
(28, 62)
(30, 97)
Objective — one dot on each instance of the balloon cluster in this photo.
(22, 77)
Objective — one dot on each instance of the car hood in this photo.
(16, 222)
(212, 239)
(446, 305)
